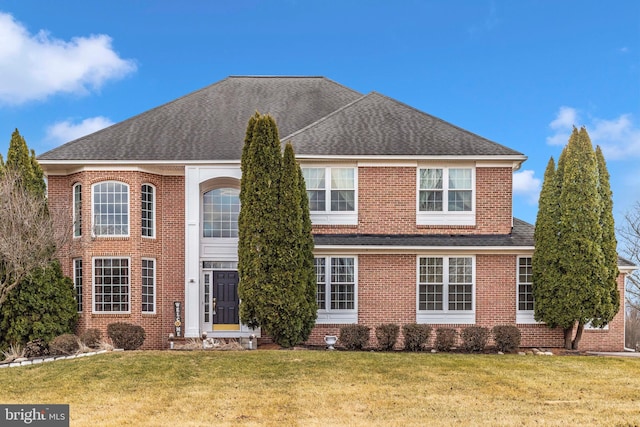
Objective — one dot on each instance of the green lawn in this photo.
(321, 388)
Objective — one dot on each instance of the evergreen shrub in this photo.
(354, 337)
(445, 339)
(126, 335)
(387, 335)
(474, 338)
(507, 338)
(415, 336)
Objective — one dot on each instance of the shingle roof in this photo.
(521, 236)
(378, 125)
(319, 116)
(210, 124)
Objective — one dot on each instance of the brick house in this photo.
(412, 215)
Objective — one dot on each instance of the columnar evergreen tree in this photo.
(573, 263)
(273, 252)
(609, 241)
(35, 297)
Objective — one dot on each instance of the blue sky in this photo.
(520, 73)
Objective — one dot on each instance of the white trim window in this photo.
(77, 282)
(148, 198)
(220, 210)
(77, 210)
(446, 195)
(446, 289)
(111, 285)
(524, 291)
(148, 285)
(110, 209)
(336, 278)
(332, 194)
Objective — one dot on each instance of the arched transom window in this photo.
(220, 209)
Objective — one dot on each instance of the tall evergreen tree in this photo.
(573, 266)
(609, 244)
(274, 274)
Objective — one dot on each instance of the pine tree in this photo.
(19, 158)
(275, 248)
(575, 264)
(609, 244)
(258, 222)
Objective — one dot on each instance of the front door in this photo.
(225, 301)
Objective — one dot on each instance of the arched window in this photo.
(220, 209)
(110, 209)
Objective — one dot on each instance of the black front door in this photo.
(225, 298)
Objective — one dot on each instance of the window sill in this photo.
(327, 318)
(447, 318)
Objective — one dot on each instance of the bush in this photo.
(354, 337)
(91, 337)
(415, 336)
(507, 338)
(126, 335)
(36, 348)
(445, 339)
(474, 338)
(387, 335)
(64, 344)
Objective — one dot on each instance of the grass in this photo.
(320, 388)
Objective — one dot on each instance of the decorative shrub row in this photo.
(474, 338)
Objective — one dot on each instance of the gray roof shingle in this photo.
(319, 116)
(521, 236)
(210, 124)
(378, 125)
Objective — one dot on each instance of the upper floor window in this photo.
(446, 190)
(111, 209)
(220, 209)
(446, 289)
(148, 196)
(334, 188)
(77, 210)
(336, 289)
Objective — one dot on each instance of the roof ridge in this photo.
(327, 117)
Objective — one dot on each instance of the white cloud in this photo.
(65, 131)
(527, 186)
(618, 137)
(35, 66)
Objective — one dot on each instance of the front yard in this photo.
(321, 388)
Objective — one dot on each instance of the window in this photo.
(111, 209)
(525, 284)
(338, 192)
(148, 286)
(111, 287)
(220, 209)
(446, 190)
(77, 281)
(336, 289)
(77, 210)
(446, 289)
(148, 210)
